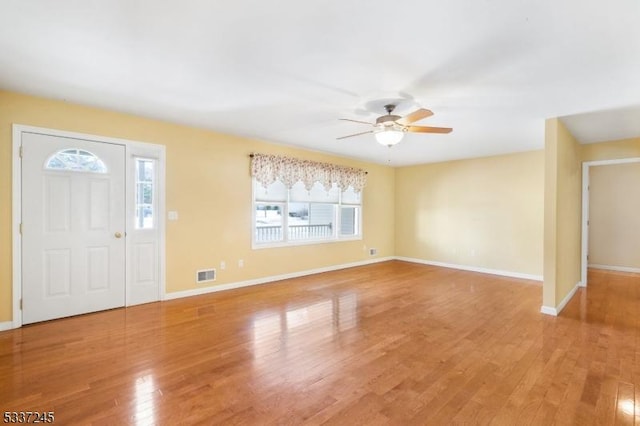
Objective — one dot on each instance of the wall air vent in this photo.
(205, 275)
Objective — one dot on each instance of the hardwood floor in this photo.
(392, 343)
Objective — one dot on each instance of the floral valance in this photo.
(266, 169)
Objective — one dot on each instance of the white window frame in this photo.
(285, 242)
(154, 195)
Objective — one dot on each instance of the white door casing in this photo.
(73, 229)
(585, 209)
(144, 262)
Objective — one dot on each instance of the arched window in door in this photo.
(75, 159)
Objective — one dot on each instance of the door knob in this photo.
(118, 235)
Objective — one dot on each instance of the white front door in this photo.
(73, 226)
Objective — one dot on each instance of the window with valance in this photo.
(300, 201)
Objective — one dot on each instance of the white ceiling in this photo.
(285, 70)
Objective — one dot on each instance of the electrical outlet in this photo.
(373, 251)
(240, 263)
(223, 264)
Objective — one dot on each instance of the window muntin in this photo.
(145, 193)
(299, 216)
(77, 160)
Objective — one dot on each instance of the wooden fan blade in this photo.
(414, 116)
(428, 129)
(355, 134)
(356, 121)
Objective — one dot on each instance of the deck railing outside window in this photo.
(266, 234)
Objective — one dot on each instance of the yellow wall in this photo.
(563, 204)
(484, 212)
(550, 212)
(611, 150)
(563, 210)
(614, 222)
(208, 183)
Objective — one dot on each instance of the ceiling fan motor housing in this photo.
(388, 129)
(387, 120)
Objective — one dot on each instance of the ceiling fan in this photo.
(390, 129)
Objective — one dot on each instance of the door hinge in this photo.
(20, 151)
(20, 304)
(20, 228)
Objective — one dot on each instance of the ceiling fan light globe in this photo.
(389, 136)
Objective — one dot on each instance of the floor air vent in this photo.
(205, 275)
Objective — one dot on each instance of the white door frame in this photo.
(585, 207)
(132, 148)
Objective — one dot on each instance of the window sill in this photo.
(258, 246)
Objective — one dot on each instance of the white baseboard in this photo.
(265, 280)
(473, 269)
(6, 325)
(548, 310)
(614, 268)
(556, 311)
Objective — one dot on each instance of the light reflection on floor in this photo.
(278, 331)
(627, 406)
(144, 401)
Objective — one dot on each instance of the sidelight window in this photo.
(145, 193)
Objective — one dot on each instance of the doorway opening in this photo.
(586, 176)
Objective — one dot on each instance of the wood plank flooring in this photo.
(391, 343)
